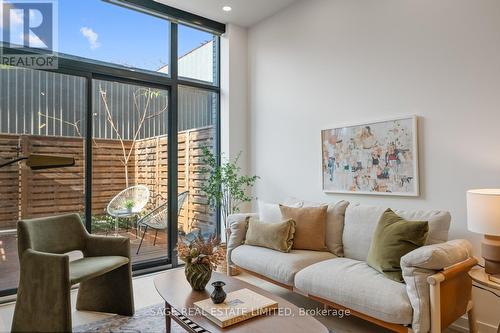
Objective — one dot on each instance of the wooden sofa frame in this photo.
(450, 298)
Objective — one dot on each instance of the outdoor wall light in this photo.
(41, 162)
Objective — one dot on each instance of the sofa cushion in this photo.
(238, 230)
(393, 238)
(90, 267)
(361, 221)
(270, 212)
(277, 236)
(275, 265)
(335, 227)
(335, 216)
(310, 228)
(357, 286)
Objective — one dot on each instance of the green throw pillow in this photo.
(393, 238)
(276, 236)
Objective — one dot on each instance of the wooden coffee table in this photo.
(180, 298)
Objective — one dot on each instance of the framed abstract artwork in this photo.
(372, 158)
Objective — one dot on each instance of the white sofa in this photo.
(348, 282)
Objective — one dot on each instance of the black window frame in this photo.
(92, 69)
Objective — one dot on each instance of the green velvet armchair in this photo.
(43, 297)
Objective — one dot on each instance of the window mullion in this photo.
(172, 148)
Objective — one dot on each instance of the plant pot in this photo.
(198, 275)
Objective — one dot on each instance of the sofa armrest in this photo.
(426, 261)
(107, 246)
(237, 232)
(438, 256)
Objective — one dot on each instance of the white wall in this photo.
(234, 93)
(234, 97)
(325, 62)
(198, 63)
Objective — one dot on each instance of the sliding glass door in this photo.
(129, 166)
(41, 113)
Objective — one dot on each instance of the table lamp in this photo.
(483, 217)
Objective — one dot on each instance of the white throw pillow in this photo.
(271, 213)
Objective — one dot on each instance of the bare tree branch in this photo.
(143, 116)
(75, 125)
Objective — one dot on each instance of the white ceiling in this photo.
(245, 13)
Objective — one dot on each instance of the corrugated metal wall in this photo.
(43, 103)
(29, 100)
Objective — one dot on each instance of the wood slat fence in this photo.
(9, 184)
(27, 194)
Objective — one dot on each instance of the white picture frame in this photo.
(378, 158)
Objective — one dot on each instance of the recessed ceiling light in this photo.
(227, 8)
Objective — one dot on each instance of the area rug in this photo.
(145, 320)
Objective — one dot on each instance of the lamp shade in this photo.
(483, 211)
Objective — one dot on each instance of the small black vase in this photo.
(219, 295)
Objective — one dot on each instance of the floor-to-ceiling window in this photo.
(134, 100)
(40, 113)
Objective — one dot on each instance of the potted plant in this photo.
(129, 205)
(201, 257)
(224, 186)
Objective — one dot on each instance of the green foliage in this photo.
(106, 223)
(151, 93)
(129, 204)
(100, 223)
(224, 185)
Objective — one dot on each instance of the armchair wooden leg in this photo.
(471, 316)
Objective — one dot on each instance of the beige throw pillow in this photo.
(335, 217)
(277, 236)
(335, 227)
(310, 228)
